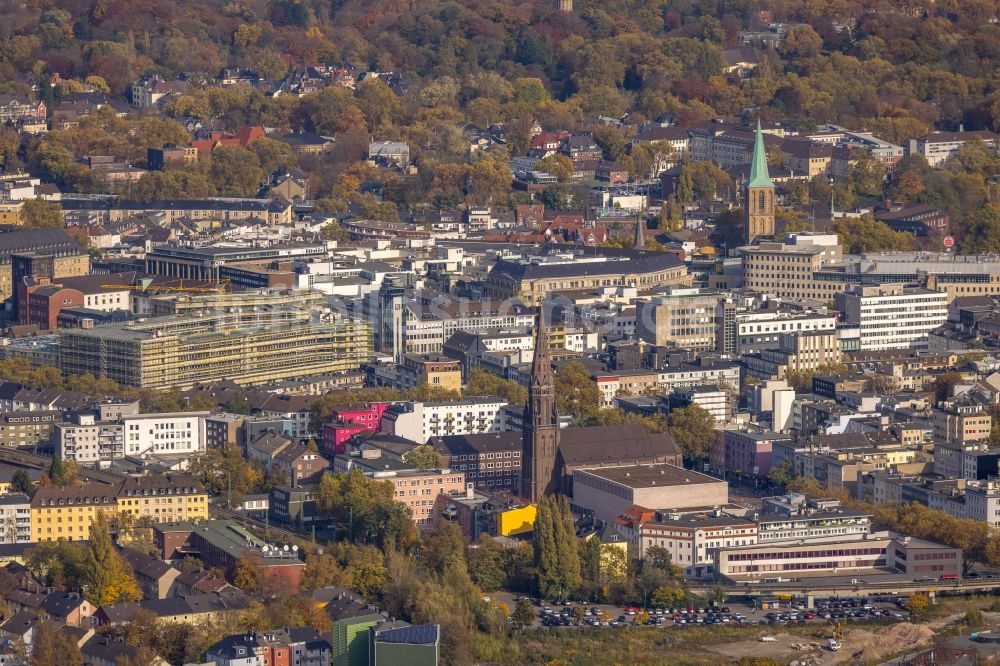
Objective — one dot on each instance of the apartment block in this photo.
(28, 428)
(962, 422)
(66, 512)
(418, 490)
(15, 519)
(163, 498)
(419, 421)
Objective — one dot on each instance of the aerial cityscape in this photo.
(544, 332)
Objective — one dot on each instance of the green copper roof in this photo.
(758, 166)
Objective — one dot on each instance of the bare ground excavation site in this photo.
(867, 645)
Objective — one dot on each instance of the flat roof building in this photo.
(253, 345)
(607, 492)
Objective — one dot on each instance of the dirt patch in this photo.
(786, 645)
(866, 644)
(873, 645)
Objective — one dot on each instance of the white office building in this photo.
(89, 441)
(892, 316)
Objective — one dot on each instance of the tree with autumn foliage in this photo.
(106, 578)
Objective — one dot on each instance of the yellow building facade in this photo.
(66, 512)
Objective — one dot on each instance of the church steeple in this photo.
(541, 422)
(759, 176)
(541, 364)
(640, 239)
(759, 200)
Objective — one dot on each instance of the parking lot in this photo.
(794, 612)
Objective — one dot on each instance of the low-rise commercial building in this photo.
(222, 543)
(874, 552)
(533, 281)
(796, 517)
(427, 370)
(608, 491)
(693, 540)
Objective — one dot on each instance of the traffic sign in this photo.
(948, 242)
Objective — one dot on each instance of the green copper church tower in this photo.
(759, 199)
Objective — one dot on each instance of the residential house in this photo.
(389, 153)
(70, 608)
(155, 577)
(307, 143)
(105, 650)
(301, 464)
(150, 90)
(14, 109)
(742, 60)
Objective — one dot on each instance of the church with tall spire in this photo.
(639, 241)
(541, 423)
(542, 455)
(758, 219)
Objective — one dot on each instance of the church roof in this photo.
(594, 445)
(759, 176)
(614, 443)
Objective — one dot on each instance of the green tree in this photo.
(693, 428)
(576, 393)
(333, 231)
(367, 509)
(557, 165)
(443, 550)
(235, 171)
(273, 155)
(983, 231)
(22, 483)
(226, 473)
(60, 564)
(63, 472)
(524, 615)
(423, 457)
(801, 42)
(107, 578)
(781, 474)
(557, 555)
(41, 214)
(868, 176)
(171, 184)
(485, 564)
(866, 234)
(482, 383)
